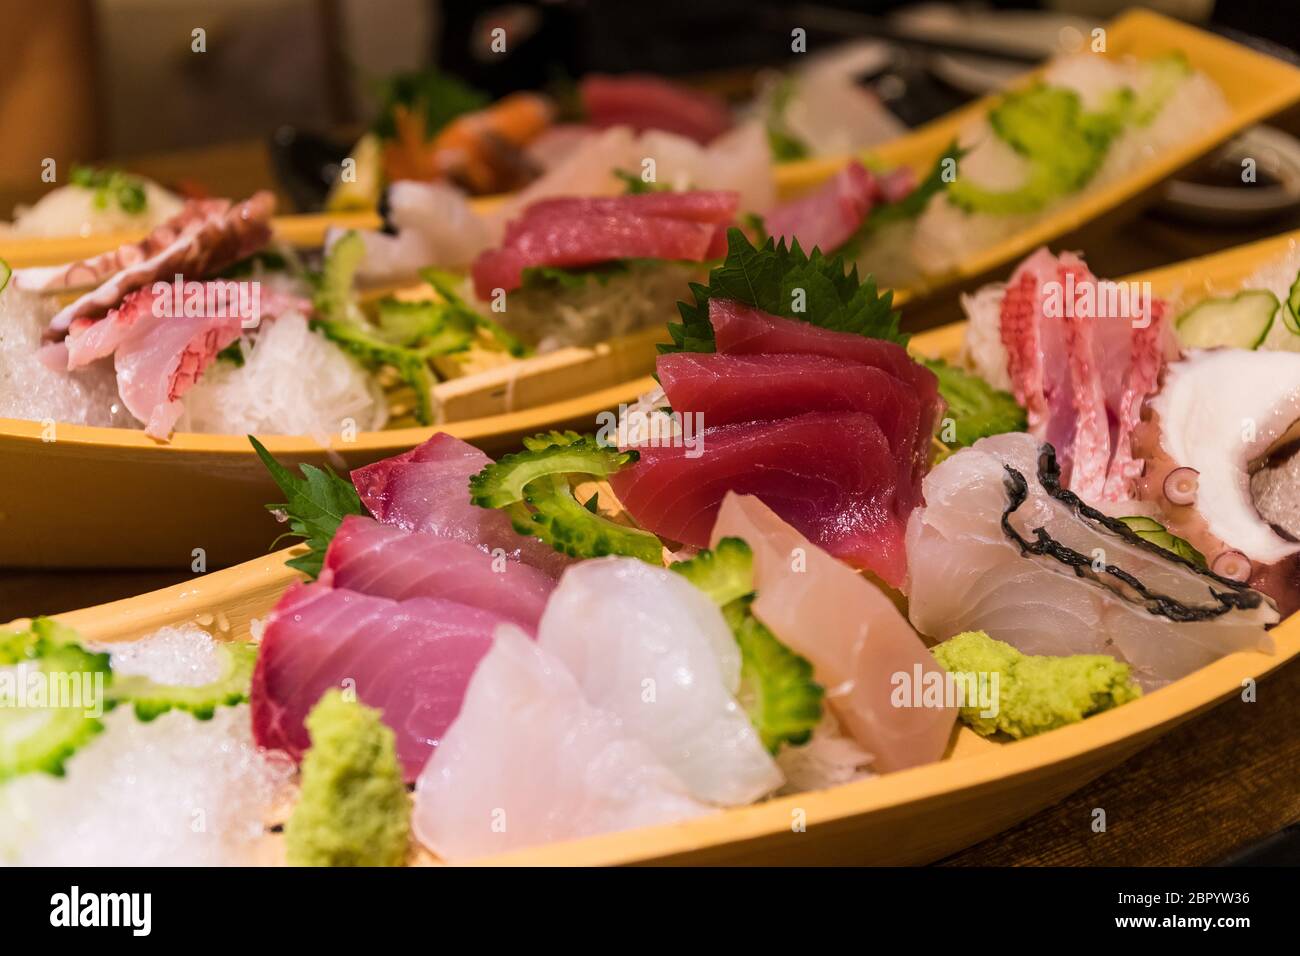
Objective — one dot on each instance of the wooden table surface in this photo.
(1225, 779)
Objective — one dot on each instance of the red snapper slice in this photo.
(862, 649)
(1146, 359)
(410, 659)
(384, 561)
(204, 244)
(831, 475)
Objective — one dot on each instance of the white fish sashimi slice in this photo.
(530, 761)
(644, 643)
(966, 573)
(858, 642)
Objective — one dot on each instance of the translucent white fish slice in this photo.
(530, 761)
(646, 644)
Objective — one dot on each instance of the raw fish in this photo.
(570, 232)
(384, 561)
(968, 572)
(852, 633)
(531, 761)
(728, 389)
(651, 102)
(646, 644)
(828, 217)
(427, 489)
(830, 474)
(410, 659)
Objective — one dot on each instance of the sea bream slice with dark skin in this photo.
(385, 561)
(412, 660)
(1001, 546)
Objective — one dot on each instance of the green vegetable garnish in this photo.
(316, 505)
(785, 145)
(231, 687)
(777, 689)
(775, 278)
(1035, 693)
(533, 488)
(1064, 145)
(112, 185)
(40, 739)
(637, 185)
(407, 335)
(5, 273)
(353, 809)
(233, 354)
(444, 283)
(538, 277)
(436, 96)
(1148, 529)
(910, 206)
(975, 408)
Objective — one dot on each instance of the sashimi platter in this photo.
(809, 589)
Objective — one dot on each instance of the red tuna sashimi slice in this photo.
(728, 389)
(717, 206)
(590, 239)
(650, 102)
(384, 561)
(850, 630)
(826, 218)
(427, 489)
(831, 475)
(739, 329)
(410, 659)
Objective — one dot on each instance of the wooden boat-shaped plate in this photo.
(66, 502)
(913, 816)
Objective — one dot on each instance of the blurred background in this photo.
(194, 92)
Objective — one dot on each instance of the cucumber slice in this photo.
(1240, 321)
(1151, 530)
(1290, 316)
(5, 273)
(41, 737)
(152, 699)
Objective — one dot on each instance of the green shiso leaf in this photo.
(976, 408)
(777, 689)
(768, 277)
(315, 504)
